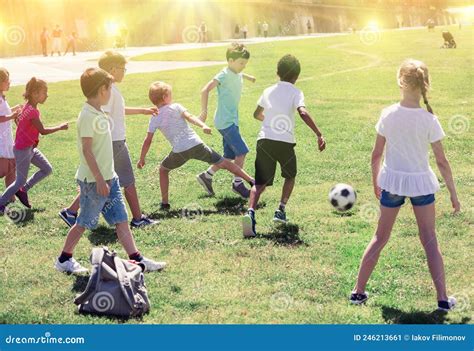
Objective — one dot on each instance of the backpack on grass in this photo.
(116, 287)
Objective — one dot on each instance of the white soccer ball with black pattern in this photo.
(342, 197)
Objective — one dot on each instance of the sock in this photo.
(282, 206)
(209, 173)
(251, 211)
(137, 256)
(237, 180)
(64, 257)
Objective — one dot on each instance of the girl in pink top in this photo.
(26, 142)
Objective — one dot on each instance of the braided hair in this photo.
(414, 74)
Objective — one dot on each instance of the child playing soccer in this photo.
(171, 121)
(406, 131)
(276, 139)
(7, 158)
(26, 143)
(226, 118)
(114, 63)
(99, 184)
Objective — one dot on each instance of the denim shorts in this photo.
(390, 200)
(112, 207)
(234, 145)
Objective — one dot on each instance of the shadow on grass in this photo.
(102, 235)
(396, 316)
(344, 214)
(285, 235)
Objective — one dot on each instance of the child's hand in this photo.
(203, 116)
(206, 129)
(151, 111)
(17, 108)
(141, 164)
(252, 79)
(15, 115)
(456, 204)
(64, 126)
(103, 188)
(377, 192)
(321, 143)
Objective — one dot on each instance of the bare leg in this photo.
(73, 238)
(239, 161)
(287, 190)
(132, 200)
(164, 184)
(373, 250)
(425, 217)
(255, 193)
(125, 237)
(75, 205)
(234, 169)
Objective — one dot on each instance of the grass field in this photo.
(302, 273)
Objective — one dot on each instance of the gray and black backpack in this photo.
(116, 287)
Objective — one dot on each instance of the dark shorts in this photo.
(390, 200)
(199, 152)
(233, 143)
(269, 152)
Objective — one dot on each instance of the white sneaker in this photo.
(70, 266)
(151, 266)
(447, 305)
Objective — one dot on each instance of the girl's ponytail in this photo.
(423, 87)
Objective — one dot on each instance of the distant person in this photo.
(44, 36)
(236, 31)
(430, 24)
(308, 25)
(245, 31)
(449, 42)
(265, 29)
(203, 32)
(259, 29)
(57, 33)
(71, 43)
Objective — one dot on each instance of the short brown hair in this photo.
(4, 75)
(34, 85)
(158, 90)
(111, 59)
(237, 51)
(92, 79)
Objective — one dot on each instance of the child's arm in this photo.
(377, 154)
(258, 113)
(445, 170)
(249, 77)
(197, 122)
(103, 188)
(7, 118)
(45, 131)
(141, 110)
(205, 98)
(145, 148)
(305, 116)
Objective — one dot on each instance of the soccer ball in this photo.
(342, 197)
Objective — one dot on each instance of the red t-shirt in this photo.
(26, 133)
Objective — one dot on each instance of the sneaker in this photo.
(240, 189)
(280, 217)
(151, 266)
(206, 183)
(358, 299)
(447, 305)
(2, 210)
(68, 217)
(142, 222)
(164, 207)
(70, 266)
(22, 195)
(248, 225)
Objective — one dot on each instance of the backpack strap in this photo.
(125, 283)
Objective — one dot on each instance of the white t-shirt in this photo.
(280, 102)
(6, 135)
(408, 132)
(171, 123)
(116, 110)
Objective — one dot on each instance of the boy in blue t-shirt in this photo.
(226, 119)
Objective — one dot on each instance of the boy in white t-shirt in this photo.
(276, 140)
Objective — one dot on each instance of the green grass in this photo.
(301, 274)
